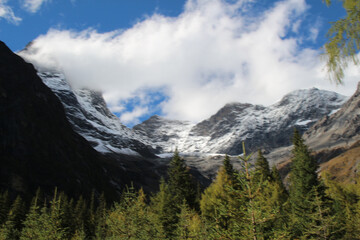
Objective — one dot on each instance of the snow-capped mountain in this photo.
(259, 126)
(86, 110)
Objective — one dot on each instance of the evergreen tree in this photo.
(4, 207)
(32, 222)
(130, 219)
(46, 224)
(262, 169)
(304, 180)
(181, 183)
(322, 223)
(12, 226)
(217, 203)
(100, 218)
(190, 225)
(164, 209)
(345, 207)
(229, 169)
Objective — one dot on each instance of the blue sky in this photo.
(180, 59)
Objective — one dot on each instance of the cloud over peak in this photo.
(213, 53)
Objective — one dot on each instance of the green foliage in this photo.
(131, 219)
(217, 202)
(251, 203)
(4, 206)
(13, 224)
(308, 212)
(190, 225)
(181, 184)
(46, 223)
(164, 209)
(262, 169)
(344, 41)
(345, 207)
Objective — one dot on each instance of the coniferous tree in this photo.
(12, 227)
(130, 219)
(345, 206)
(229, 169)
(218, 204)
(4, 206)
(32, 222)
(262, 169)
(181, 183)
(304, 180)
(100, 218)
(164, 210)
(190, 225)
(45, 224)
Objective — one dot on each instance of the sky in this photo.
(181, 59)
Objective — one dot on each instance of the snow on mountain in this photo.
(87, 112)
(259, 126)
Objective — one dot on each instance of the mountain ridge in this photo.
(259, 126)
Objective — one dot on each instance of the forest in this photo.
(250, 203)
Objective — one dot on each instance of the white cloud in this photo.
(211, 54)
(131, 117)
(33, 5)
(7, 13)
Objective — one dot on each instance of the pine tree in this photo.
(345, 207)
(32, 221)
(304, 180)
(216, 202)
(130, 219)
(4, 207)
(229, 169)
(100, 218)
(12, 226)
(181, 183)
(46, 223)
(190, 225)
(165, 212)
(79, 215)
(322, 223)
(262, 169)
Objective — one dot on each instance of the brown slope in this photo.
(345, 167)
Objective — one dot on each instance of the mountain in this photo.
(152, 142)
(339, 129)
(334, 141)
(89, 116)
(260, 127)
(38, 147)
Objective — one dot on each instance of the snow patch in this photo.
(304, 122)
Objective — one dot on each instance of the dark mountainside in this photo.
(38, 147)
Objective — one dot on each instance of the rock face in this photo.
(340, 129)
(259, 126)
(87, 112)
(38, 147)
